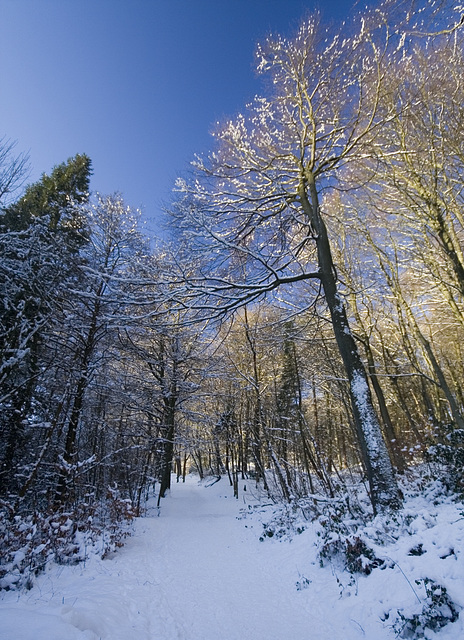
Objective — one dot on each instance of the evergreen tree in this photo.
(53, 198)
(39, 235)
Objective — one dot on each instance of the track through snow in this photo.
(200, 572)
(196, 572)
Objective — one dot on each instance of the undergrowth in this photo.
(354, 543)
(28, 543)
(447, 452)
(435, 613)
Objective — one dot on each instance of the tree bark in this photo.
(383, 489)
(168, 445)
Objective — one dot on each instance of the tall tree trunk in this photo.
(168, 445)
(392, 438)
(403, 306)
(257, 420)
(383, 489)
(70, 453)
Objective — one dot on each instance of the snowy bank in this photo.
(209, 567)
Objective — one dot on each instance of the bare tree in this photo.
(409, 210)
(14, 170)
(253, 216)
(97, 305)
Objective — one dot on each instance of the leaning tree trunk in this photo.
(383, 489)
(393, 441)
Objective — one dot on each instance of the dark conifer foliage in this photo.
(38, 236)
(53, 198)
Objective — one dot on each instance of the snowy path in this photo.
(194, 573)
(199, 572)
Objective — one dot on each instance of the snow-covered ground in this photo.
(199, 571)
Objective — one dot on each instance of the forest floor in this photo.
(203, 568)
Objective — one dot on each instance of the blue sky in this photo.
(135, 84)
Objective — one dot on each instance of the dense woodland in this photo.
(303, 325)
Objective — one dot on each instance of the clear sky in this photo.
(134, 84)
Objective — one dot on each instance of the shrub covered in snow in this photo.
(411, 558)
(448, 453)
(29, 542)
(436, 612)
